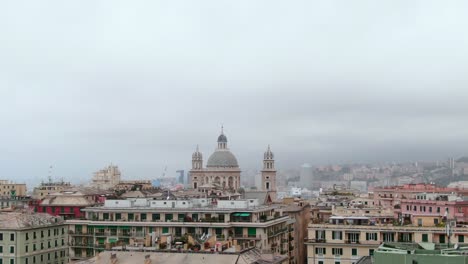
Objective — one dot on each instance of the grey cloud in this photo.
(141, 83)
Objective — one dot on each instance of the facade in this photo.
(427, 209)
(391, 196)
(222, 172)
(200, 223)
(10, 189)
(8, 202)
(269, 173)
(106, 178)
(50, 187)
(298, 210)
(27, 238)
(69, 203)
(345, 241)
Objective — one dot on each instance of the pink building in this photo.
(391, 196)
(433, 209)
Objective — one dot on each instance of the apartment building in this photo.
(200, 224)
(11, 189)
(28, 238)
(428, 209)
(346, 239)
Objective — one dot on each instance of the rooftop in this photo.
(250, 256)
(24, 220)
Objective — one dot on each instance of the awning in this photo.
(113, 240)
(241, 214)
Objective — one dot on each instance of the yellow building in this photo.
(8, 188)
(346, 239)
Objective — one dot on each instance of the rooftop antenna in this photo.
(50, 174)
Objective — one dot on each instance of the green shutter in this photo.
(165, 230)
(461, 238)
(425, 238)
(252, 231)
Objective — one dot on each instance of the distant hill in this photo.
(463, 159)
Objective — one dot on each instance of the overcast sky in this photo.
(141, 83)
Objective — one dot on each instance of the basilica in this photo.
(222, 172)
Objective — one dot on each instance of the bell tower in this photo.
(269, 173)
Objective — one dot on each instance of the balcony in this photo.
(317, 240)
(352, 241)
(246, 237)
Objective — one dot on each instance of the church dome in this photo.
(222, 158)
(222, 138)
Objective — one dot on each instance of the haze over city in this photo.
(140, 84)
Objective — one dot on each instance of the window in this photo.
(165, 230)
(12, 249)
(320, 251)
(441, 239)
(27, 236)
(320, 262)
(461, 238)
(337, 251)
(48, 232)
(169, 217)
(319, 235)
(131, 216)
(337, 235)
(12, 237)
(42, 234)
(430, 209)
(156, 217)
(1, 236)
(425, 238)
(405, 237)
(436, 221)
(419, 222)
(26, 248)
(371, 236)
(371, 252)
(143, 217)
(438, 209)
(353, 238)
(12, 261)
(354, 251)
(1, 249)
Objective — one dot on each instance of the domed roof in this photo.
(222, 138)
(222, 158)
